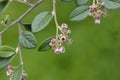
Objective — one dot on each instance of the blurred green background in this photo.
(94, 54)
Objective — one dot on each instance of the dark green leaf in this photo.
(5, 61)
(6, 51)
(27, 26)
(3, 5)
(66, 0)
(81, 2)
(41, 21)
(79, 13)
(18, 73)
(45, 45)
(27, 40)
(109, 4)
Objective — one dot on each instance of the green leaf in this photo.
(3, 5)
(79, 13)
(115, 1)
(18, 73)
(27, 26)
(81, 2)
(41, 21)
(27, 40)
(109, 4)
(5, 61)
(45, 45)
(6, 51)
(66, 0)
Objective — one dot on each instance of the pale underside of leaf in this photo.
(109, 4)
(115, 1)
(81, 2)
(79, 13)
(41, 21)
(5, 61)
(18, 73)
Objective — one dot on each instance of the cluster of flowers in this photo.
(10, 72)
(57, 42)
(97, 10)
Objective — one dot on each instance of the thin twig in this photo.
(54, 12)
(55, 18)
(21, 17)
(19, 46)
(93, 2)
(27, 3)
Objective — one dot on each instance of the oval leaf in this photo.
(5, 61)
(6, 51)
(81, 2)
(27, 40)
(79, 13)
(18, 73)
(45, 45)
(41, 21)
(109, 4)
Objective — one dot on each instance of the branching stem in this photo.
(19, 46)
(55, 18)
(21, 17)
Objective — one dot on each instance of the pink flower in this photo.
(9, 70)
(57, 50)
(8, 67)
(64, 26)
(53, 40)
(97, 20)
(93, 7)
(60, 50)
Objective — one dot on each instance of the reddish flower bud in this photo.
(53, 40)
(64, 26)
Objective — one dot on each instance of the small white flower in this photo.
(97, 21)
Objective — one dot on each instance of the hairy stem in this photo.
(55, 18)
(19, 46)
(21, 17)
(93, 2)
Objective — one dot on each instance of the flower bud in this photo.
(64, 26)
(53, 40)
(9, 70)
(97, 21)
